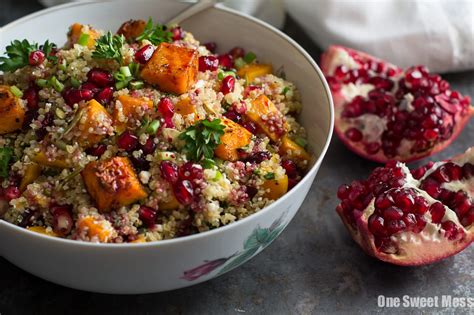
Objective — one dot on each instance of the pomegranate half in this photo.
(412, 217)
(384, 113)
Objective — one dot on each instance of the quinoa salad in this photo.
(142, 135)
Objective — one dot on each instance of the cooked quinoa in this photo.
(142, 135)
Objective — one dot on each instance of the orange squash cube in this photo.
(112, 183)
(32, 172)
(235, 137)
(185, 107)
(75, 32)
(131, 29)
(59, 162)
(130, 110)
(254, 70)
(275, 188)
(42, 230)
(12, 113)
(270, 120)
(100, 229)
(171, 203)
(173, 68)
(292, 150)
(94, 124)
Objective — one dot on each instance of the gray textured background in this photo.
(313, 267)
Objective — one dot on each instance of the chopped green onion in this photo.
(60, 113)
(56, 84)
(301, 142)
(134, 68)
(119, 76)
(208, 163)
(269, 176)
(136, 85)
(220, 75)
(249, 57)
(16, 91)
(6, 155)
(239, 63)
(42, 83)
(152, 128)
(75, 83)
(286, 89)
(217, 177)
(121, 84)
(63, 65)
(125, 71)
(83, 39)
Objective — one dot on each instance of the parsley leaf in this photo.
(109, 46)
(155, 34)
(269, 176)
(6, 155)
(202, 138)
(48, 48)
(18, 53)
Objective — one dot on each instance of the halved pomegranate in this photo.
(412, 218)
(384, 113)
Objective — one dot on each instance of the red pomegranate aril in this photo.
(74, 96)
(11, 192)
(35, 58)
(62, 219)
(372, 147)
(32, 98)
(392, 213)
(105, 95)
(211, 46)
(354, 134)
(395, 226)
(100, 77)
(147, 215)
(149, 147)
(166, 107)
(421, 205)
(190, 171)
(177, 33)
(404, 201)
(292, 171)
(376, 225)
(232, 115)
(127, 141)
(90, 86)
(468, 218)
(450, 229)
(382, 202)
(183, 191)
(410, 221)
(227, 85)
(144, 54)
(437, 211)
(206, 63)
(237, 52)
(468, 170)
(259, 157)
(97, 150)
(250, 126)
(226, 61)
(169, 171)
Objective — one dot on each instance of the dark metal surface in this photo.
(313, 267)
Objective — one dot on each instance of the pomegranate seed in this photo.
(382, 202)
(395, 226)
(90, 86)
(100, 77)
(410, 221)
(62, 219)
(468, 170)
(211, 46)
(237, 52)
(232, 115)
(226, 61)
(228, 84)
(430, 134)
(183, 191)
(437, 211)
(144, 54)
(292, 183)
(451, 231)
(392, 213)
(149, 146)
(372, 147)
(353, 134)
(36, 58)
(206, 63)
(32, 98)
(421, 205)
(191, 171)
(140, 163)
(105, 95)
(342, 191)
(250, 126)
(166, 108)
(376, 225)
(74, 96)
(97, 150)
(259, 157)
(169, 171)
(127, 141)
(404, 201)
(147, 215)
(292, 170)
(11, 192)
(468, 218)
(177, 33)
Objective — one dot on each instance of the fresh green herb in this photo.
(269, 176)
(75, 83)
(208, 163)
(19, 51)
(217, 177)
(152, 127)
(301, 142)
(109, 46)
(83, 39)
(286, 89)
(48, 48)
(56, 84)
(250, 57)
(202, 138)
(239, 63)
(16, 91)
(6, 155)
(136, 85)
(222, 74)
(155, 34)
(42, 83)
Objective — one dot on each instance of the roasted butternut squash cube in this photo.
(131, 29)
(94, 124)
(235, 137)
(171, 203)
(294, 151)
(267, 117)
(42, 230)
(185, 107)
(275, 188)
(61, 161)
(12, 113)
(173, 68)
(140, 239)
(129, 110)
(32, 172)
(112, 183)
(75, 32)
(254, 70)
(102, 230)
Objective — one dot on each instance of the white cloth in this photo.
(436, 33)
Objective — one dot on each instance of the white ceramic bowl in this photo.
(171, 264)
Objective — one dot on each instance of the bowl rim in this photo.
(222, 229)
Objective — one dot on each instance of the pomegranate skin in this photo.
(425, 241)
(374, 150)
